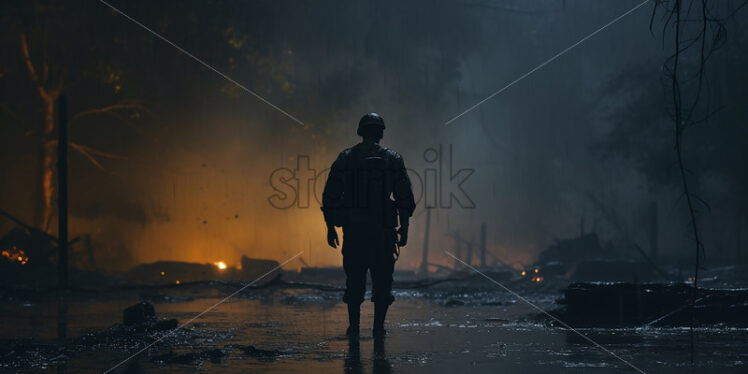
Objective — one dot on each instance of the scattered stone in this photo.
(166, 324)
(142, 316)
(139, 314)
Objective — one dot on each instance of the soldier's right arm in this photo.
(332, 195)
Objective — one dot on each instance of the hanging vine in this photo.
(698, 30)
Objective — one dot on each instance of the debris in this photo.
(166, 324)
(253, 268)
(139, 314)
(142, 316)
(178, 272)
(567, 251)
(659, 304)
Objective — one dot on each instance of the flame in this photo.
(15, 254)
(220, 264)
(536, 279)
(524, 273)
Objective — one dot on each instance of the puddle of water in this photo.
(302, 331)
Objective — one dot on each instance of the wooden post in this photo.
(483, 244)
(62, 189)
(424, 270)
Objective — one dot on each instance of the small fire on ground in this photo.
(535, 278)
(15, 254)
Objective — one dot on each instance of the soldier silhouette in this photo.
(368, 194)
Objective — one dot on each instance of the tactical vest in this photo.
(368, 189)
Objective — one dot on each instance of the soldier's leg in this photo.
(381, 278)
(382, 268)
(355, 288)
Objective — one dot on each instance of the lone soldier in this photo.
(358, 196)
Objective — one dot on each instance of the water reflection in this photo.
(352, 362)
(380, 364)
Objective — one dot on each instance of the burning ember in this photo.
(220, 264)
(15, 254)
(535, 278)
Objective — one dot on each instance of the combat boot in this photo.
(354, 317)
(380, 312)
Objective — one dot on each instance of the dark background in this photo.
(185, 156)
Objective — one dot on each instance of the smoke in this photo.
(197, 176)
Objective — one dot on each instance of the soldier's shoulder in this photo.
(392, 154)
(345, 153)
(394, 157)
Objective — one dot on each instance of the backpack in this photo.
(369, 188)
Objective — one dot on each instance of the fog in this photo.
(189, 175)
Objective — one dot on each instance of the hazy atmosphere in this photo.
(188, 165)
(203, 131)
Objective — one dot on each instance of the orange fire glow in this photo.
(220, 264)
(15, 254)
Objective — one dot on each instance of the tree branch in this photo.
(27, 60)
(108, 108)
(89, 153)
(100, 153)
(82, 150)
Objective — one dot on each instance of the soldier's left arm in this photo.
(402, 191)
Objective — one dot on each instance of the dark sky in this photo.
(195, 162)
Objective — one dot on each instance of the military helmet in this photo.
(371, 119)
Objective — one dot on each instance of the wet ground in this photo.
(446, 327)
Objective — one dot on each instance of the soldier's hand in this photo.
(403, 231)
(332, 237)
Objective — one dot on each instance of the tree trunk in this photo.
(47, 136)
(49, 148)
